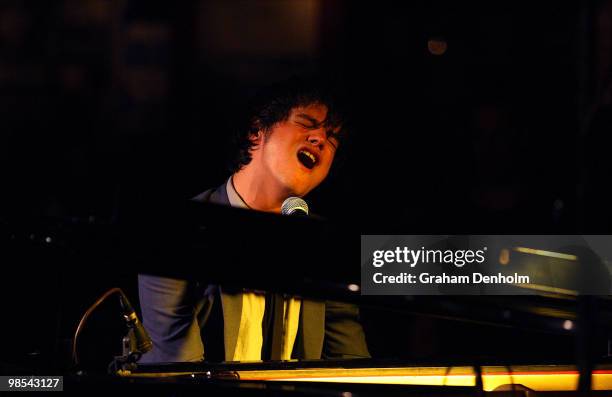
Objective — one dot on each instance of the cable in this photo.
(509, 368)
(446, 373)
(479, 379)
(101, 299)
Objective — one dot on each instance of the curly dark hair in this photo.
(274, 103)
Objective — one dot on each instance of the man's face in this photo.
(297, 153)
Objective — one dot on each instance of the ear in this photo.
(256, 138)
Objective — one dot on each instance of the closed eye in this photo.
(307, 126)
(307, 121)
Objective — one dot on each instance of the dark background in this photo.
(467, 117)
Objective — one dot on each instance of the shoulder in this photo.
(216, 195)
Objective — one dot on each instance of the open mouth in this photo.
(308, 159)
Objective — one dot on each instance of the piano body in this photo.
(576, 327)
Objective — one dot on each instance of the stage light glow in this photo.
(437, 46)
(536, 377)
(504, 256)
(548, 289)
(550, 254)
(539, 378)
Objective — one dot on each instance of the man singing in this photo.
(287, 149)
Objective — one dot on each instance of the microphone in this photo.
(142, 339)
(294, 206)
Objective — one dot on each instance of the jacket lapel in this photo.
(232, 311)
(231, 304)
(215, 196)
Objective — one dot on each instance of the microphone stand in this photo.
(129, 357)
(135, 342)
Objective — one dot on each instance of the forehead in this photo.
(316, 111)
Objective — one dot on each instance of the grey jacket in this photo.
(175, 311)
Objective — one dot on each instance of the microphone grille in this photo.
(293, 204)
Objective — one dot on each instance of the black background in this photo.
(112, 106)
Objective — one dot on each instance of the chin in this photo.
(300, 187)
(299, 192)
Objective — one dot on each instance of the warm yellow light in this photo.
(504, 256)
(550, 254)
(548, 289)
(431, 380)
(539, 378)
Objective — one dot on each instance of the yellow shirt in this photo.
(250, 333)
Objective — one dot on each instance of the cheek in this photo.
(277, 155)
(324, 169)
(328, 163)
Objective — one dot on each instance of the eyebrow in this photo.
(311, 119)
(316, 123)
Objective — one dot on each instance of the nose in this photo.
(317, 137)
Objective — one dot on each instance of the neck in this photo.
(259, 193)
